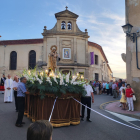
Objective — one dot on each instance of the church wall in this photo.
(22, 56)
(81, 51)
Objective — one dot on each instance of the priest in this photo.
(8, 95)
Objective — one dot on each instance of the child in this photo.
(123, 99)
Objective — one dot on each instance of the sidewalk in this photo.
(114, 107)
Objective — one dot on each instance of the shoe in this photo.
(23, 123)
(132, 110)
(89, 120)
(128, 110)
(82, 119)
(114, 97)
(18, 125)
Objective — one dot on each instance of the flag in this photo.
(91, 58)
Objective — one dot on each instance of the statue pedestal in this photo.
(65, 113)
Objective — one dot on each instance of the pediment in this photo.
(66, 13)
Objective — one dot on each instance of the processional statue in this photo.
(53, 57)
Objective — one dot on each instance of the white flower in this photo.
(61, 80)
(73, 79)
(39, 80)
(67, 77)
(48, 80)
(55, 79)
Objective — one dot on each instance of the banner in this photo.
(91, 58)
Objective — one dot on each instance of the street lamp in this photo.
(127, 28)
(133, 37)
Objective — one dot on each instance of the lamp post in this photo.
(133, 37)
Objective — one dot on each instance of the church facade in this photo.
(77, 54)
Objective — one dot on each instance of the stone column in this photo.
(45, 49)
(86, 47)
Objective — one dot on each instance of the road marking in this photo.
(125, 118)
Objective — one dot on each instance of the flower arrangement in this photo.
(41, 83)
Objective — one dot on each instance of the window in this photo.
(63, 25)
(13, 60)
(32, 59)
(69, 26)
(96, 59)
(96, 76)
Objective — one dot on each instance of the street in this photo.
(99, 129)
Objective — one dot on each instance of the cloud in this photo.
(109, 34)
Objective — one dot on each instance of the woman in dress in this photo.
(123, 99)
(129, 94)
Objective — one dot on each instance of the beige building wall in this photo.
(101, 69)
(133, 73)
(22, 57)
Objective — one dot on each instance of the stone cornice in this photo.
(54, 31)
(68, 64)
(66, 13)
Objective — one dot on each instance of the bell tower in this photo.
(71, 42)
(66, 21)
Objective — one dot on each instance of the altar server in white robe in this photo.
(8, 95)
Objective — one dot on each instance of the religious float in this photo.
(53, 92)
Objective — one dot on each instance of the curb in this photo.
(103, 105)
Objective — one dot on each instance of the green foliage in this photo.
(40, 83)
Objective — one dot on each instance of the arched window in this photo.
(69, 26)
(32, 59)
(63, 25)
(13, 60)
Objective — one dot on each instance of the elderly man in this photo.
(87, 101)
(8, 95)
(21, 91)
(15, 85)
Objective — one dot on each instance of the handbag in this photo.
(134, 98)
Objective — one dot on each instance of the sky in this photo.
(25, 19)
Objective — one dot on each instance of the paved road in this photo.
(100, 128)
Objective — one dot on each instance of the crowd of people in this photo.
(118, 89)
(43, 129)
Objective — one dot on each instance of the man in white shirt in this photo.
(86, 100)
(8, 95)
